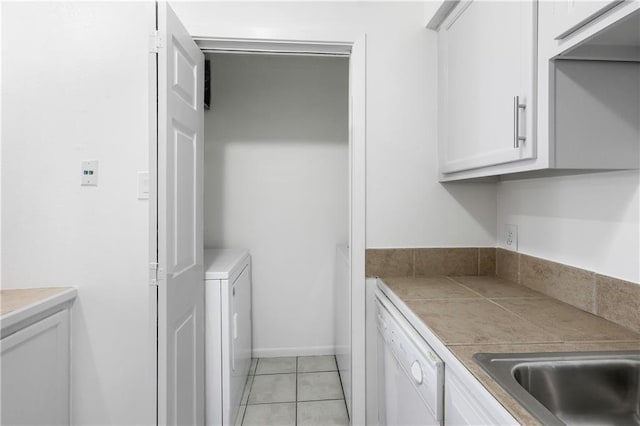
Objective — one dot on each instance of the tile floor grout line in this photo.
(340, 381)
(318, 371)
(296, 401)
(250, 377)
(275, 374)
(272, 403)
(321, 400)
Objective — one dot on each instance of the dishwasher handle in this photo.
(416, 372)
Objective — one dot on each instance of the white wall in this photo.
(590, 221)
(75, 84)
(406, 206)
(276, 182)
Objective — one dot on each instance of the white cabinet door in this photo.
(571, 15)
(180, 224)
(487, 58)
(461, 407)
(35, 373)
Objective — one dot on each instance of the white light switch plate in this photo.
(511, 237)
(143, 185)
(89, 173)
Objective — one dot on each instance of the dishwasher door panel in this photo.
(398, 402)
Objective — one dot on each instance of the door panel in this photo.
(185, 366)
(180, 225)
(185, 229)
(185, 77)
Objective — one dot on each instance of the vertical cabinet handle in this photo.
(517, 106)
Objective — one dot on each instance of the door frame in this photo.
(353, 46)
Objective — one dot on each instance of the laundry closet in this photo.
(276, 183)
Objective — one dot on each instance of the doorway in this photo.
(352, 47)
(276, 178)
(355, 50)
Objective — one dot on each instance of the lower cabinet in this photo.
(35, 373)
(463, 406)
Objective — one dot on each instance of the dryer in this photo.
(228, 339)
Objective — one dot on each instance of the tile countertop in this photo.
(18, 306)
(474, 314)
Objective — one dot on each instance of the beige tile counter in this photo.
(15, 299)
(20, 307)
(473, 314)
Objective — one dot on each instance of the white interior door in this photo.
(180, 224)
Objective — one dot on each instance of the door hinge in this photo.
(155, 41)
(154, 266)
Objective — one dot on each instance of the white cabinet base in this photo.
(464, 408)
(35, 373)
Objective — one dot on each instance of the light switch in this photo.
(143, 185)
(89, 170)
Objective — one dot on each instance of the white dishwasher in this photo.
(410, 374)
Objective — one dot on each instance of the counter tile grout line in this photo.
(413, 262)
(544, 329)
(594, 295)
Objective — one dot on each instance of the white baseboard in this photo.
(303, 351)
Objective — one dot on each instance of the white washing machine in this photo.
(228, 332)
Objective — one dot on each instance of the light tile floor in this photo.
(285, 391)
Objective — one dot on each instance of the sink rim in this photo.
(500, 367)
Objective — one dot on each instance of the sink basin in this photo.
(573, 388)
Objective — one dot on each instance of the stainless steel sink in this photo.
(573, 388)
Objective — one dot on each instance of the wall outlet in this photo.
(511, 237)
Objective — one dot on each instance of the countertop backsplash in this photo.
(607, 297)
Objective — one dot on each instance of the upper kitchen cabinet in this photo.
(486, 79)
(571, 15)
(593, 30)
(537, 88)
(589, 85)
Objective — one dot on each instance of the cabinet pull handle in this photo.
(517, 106)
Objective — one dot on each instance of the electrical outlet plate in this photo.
(89, 173)
(511, 237)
